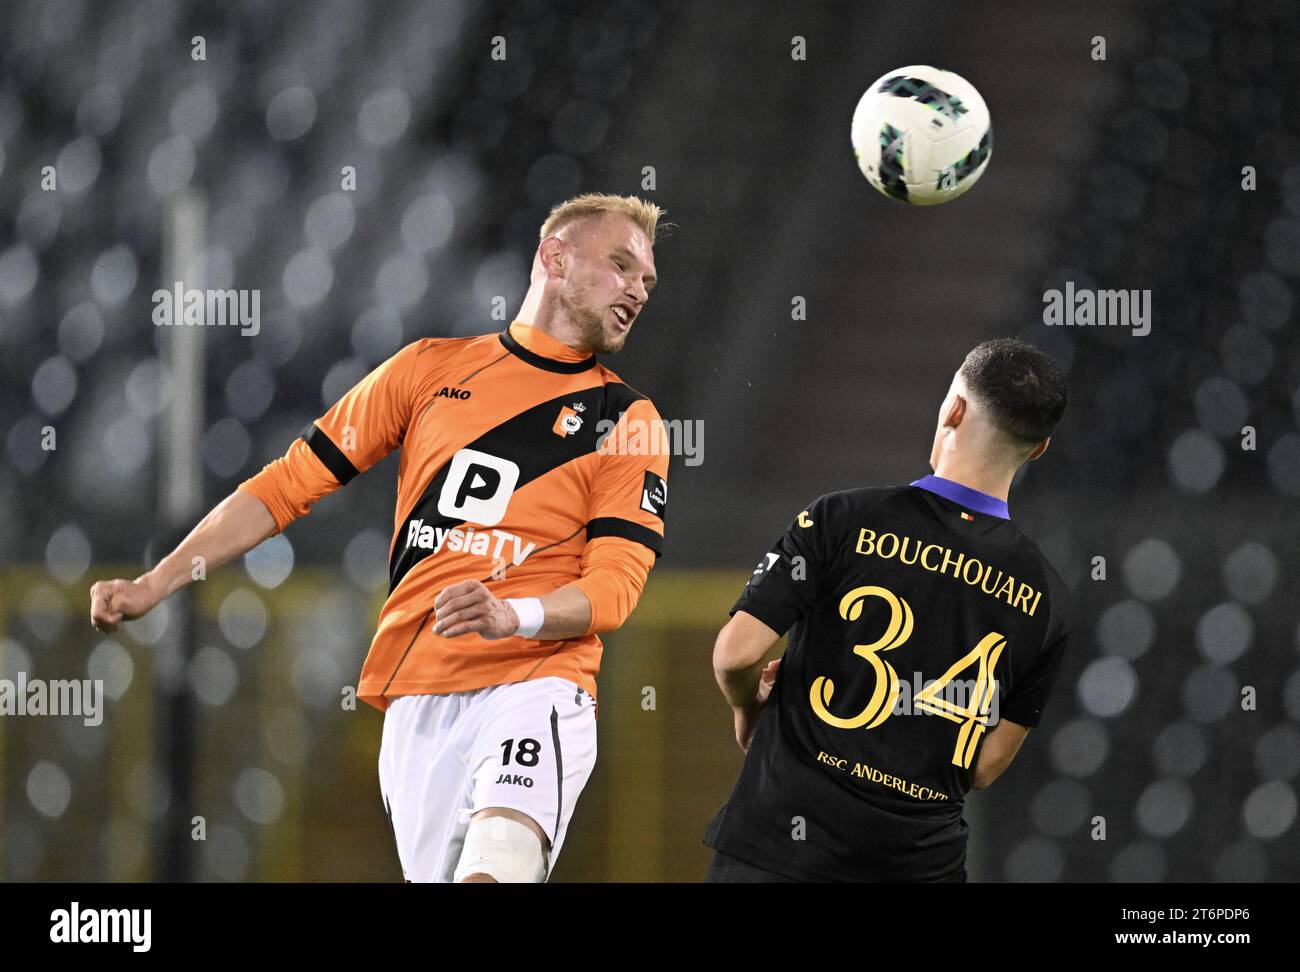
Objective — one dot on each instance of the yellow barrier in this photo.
(666, 754)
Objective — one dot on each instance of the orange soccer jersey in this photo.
(506, 476)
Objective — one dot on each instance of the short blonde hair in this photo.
(645, 214)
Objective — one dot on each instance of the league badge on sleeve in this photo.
(654, 494)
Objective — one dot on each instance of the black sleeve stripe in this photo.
(329, 454)
(612, 526)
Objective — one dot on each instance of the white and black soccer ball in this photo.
(922, 135)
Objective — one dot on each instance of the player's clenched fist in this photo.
(469, 606)
(115, 601)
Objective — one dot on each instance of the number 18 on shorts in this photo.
(527, 746)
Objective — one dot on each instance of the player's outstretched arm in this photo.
(236, 525)
(999, 749)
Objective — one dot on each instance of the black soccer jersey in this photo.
(918, 616)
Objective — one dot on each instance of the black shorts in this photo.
(726, 869)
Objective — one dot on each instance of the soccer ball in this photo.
(922, 135)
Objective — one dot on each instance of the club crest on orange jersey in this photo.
(569, 420)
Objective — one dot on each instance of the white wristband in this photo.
(531, 615)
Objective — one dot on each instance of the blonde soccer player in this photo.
(531, 495)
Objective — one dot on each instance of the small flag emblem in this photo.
(967, 516)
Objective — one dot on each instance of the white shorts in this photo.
(527, 746)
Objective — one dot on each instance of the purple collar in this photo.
(972, 499)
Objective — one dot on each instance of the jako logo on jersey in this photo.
(569, 420)
(477, 543)
(515, 780)
(654, 494)
(448, 392)
(478, 487)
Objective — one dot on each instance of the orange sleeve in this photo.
(614, 572)
(625, 522)
(362, 428)
(630, 495)
(288, 486)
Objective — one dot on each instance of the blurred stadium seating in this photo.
(1123, 174)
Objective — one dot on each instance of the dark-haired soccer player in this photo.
(519, 535)
(926, 632)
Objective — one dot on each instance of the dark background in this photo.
(1123, 173)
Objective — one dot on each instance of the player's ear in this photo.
(956, 412)
(1039, 449)
(551, 254)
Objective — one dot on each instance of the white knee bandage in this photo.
(503, 849)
